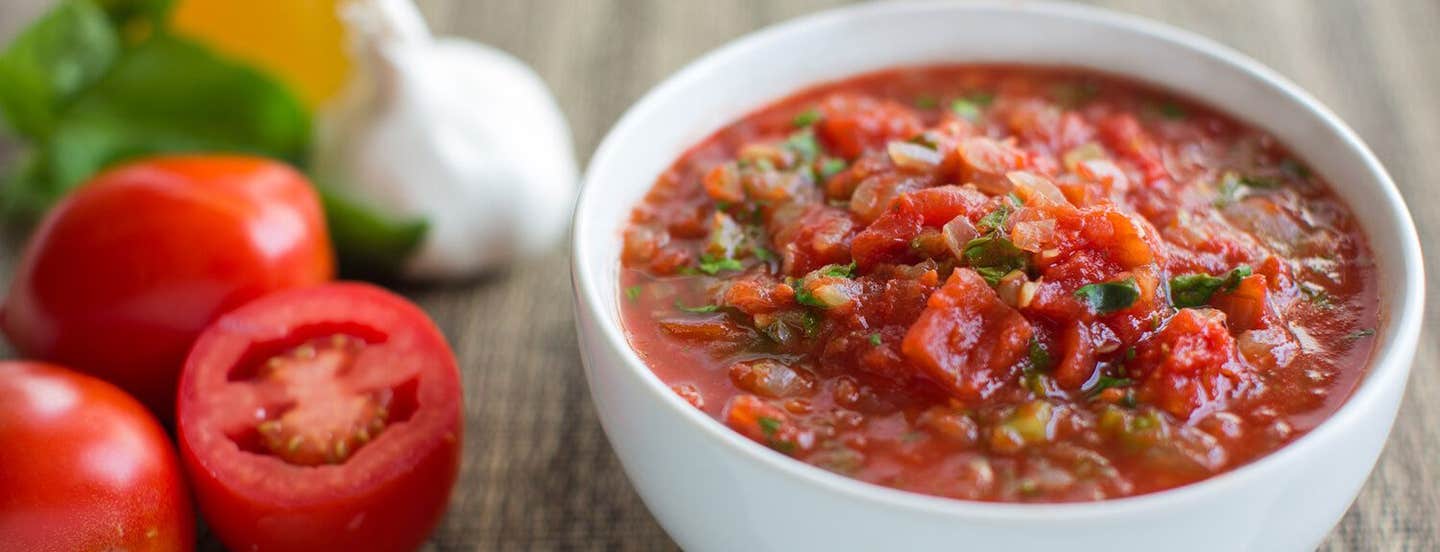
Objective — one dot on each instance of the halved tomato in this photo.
(321, 418)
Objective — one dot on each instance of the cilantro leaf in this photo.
(633, 293)
(1106, 297)
(875, 339)
(830, 167)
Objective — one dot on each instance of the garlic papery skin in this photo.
(447, 130)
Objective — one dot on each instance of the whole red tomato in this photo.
(84, 467)
(123, 274)
(322, 418)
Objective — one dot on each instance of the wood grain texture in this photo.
(538, 472)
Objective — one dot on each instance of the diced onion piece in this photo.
(1016, 289)
(1084, 152)
(1027, 294)
(1032, 187)
(725, 236)
(958, 232)
(1033, 235)
(834, 292)
(777, 156)
(913, 156)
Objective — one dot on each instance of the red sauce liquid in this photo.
(1003, 284)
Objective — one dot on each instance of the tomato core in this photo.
(332, 416)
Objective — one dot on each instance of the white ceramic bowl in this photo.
(715, 490)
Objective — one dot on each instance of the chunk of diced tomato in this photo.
(852, 124)
(812, 237)
(967, 339)
(1244, 307)
(767, 424)
(1191, 366)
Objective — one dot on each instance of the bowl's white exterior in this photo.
(714, 490)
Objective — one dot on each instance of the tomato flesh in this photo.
(331, 418)
(322, 418)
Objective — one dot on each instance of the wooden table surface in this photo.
(538, 472)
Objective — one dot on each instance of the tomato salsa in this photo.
(1001, 283)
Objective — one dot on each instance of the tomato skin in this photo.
(388, 495)
(85, 467)
(123, 274)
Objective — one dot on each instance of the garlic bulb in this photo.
(450, 131)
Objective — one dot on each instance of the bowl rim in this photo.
(1398, 335)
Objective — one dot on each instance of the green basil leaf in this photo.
(712, 265)
(804, 144)
(994, 221)
(1194, 290)
(1105, 297)
(51, 62)
(993, 257)
(806, 118)
(1106, 382)
(838, 271)
(167, 95)
(696, 310)
(1039, 357)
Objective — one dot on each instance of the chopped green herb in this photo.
(1172, 110)
(994, 221)
(712, 266)
(804, 144)
(1316, 296)
(993, 257)
(927, 102)
(1359, 334)
(763, 254)
(1193, 290)
(811, 322)
(875, 339)
(702, 309)
(806, 118)
(804, 297)
(1076, 94)
(831, 167)
(1130, 353)
(1039, 357)
(966, 109)
(839, 271)
(768, 425)
(1231, 184)
(633, 293)
(981, 98)
(1015, 198)
(1295, 168)
(785, 447)
(1105, 297)
(765, 165)
(722, 205)
(1262, 182)
(1106, 382)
